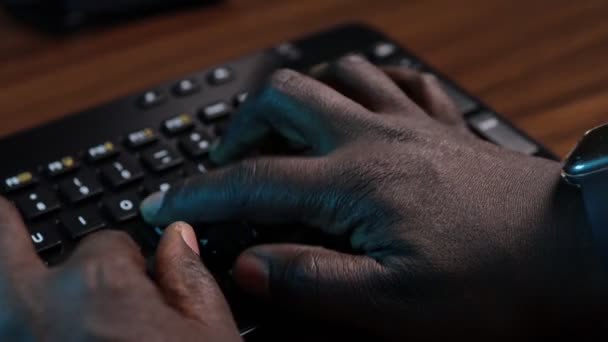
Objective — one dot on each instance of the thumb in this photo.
(185, 282)
(313, 280)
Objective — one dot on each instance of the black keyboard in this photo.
(89, 171)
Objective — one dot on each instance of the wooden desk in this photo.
(542, 62)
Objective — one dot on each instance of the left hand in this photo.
(102, 293)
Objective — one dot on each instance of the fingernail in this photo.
(355, 57)
(151, 205)
(252, 274)
(188, 236)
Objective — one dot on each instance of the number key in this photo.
(122, 172)
(81, 222)
(80, 187)
(161, 158)
(196, 144)
(37, 203)
(122, 207)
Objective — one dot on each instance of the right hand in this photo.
(452, 235)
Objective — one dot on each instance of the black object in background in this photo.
(62, 15)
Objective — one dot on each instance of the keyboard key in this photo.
(122, 172)
(494, 129)
(80, 187)
(81, 222)
(163, 184)
(61, 166)
(186, 87)
(101, 151)
(161, 158)
(215, 111)
(122, 207)
(141, 138)
(196, 144)
(220, 76)
(37, 203)
(196, 169)
(18, 181)
(45, 237)
(178, 124)
(464, 102)
(289, 51)
(240, 98)
(151, 98)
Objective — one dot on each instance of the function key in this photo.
(102, 151)
(122, 207)
(38, 203)
(61, 166)
(122, 172)
(240, 98)
(141, 138)
(45, 237)
(151, 99)
(215, 111)
(80, 187)
(186, 87)
(219, 76)
(18, 181)
(81, 222)
(196, 144)
(494, 129)
(178, 124)
(161, 158)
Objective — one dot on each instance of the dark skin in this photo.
(449, 235)
(102, 293)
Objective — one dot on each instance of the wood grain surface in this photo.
(541, 62)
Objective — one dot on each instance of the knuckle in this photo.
(114, 273)
(280, 78)
(301, 270)
(428, 79)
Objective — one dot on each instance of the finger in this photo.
(185, 282)
(426, 90)
(17, 252)
(299, 108)
(268, 191)
(363, 82)
(111, 251)
(313, 280)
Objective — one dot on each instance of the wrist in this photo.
(583, 291)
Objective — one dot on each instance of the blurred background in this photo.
(540, 62)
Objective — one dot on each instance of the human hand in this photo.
(102, 292)
(451, 235)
